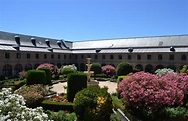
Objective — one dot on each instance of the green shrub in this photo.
(96, 67)
(36, 77)
(93, 104)
(175, 113)
(61, 116)
(57, 106)
(115, 117)
(75, 83)
(184, 69)
(66, 71)
(48, 75)
(124, 68)
(121, 78)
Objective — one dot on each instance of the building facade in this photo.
(24, 52)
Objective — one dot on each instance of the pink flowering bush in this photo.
(53, 69)
(108, 70)
(180, 81)
(145, 91)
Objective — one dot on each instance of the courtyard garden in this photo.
(140, 96)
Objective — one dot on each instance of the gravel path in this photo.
(59, 88)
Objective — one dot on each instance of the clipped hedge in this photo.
(57, 106)
(93, 104)
(36, 77)
(48, 75)
(75, 83)
(124, 68)
(121, 78)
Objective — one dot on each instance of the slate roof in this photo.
(139, 45)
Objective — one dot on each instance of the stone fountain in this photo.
(89, 72)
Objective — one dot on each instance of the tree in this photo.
(96, 67)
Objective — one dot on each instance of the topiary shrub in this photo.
(93, 104)
(48, 75)
(36, 77)
(75, 83)
(66, 71)
(96, 67)
(124, 68)
(108, 70)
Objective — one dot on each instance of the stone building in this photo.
(23, 52)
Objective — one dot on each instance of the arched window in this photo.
(172, 67)
(82, 67)
(159, 67)
(28, 67)
(18, 68)
(7, 70)
(149, 68)
(139, 67)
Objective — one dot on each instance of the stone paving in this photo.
(59, 87)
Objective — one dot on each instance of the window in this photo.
(82, 56)
(45, 56)
(129, 57)
(76, 57)
(18, 55)
(183, 57)
(59, 56)
(171, 57)
(148, 57)
(138, 57)
(28, 56)
(111, 56)
(37, 56)
(7, 55)
(65, 56)
(119, 56)
(103, 56)
(160, 57)
(52, 56)
(96, 56)
(89, 56)
(70, 56)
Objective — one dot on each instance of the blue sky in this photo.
(76, 20)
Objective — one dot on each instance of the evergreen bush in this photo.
(66, 71)
(48, 75)
(124, 68)
(93, 104)
(96, 67)
(75, 83)
(36, 77)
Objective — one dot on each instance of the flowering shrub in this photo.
(59, 98)
(93, 104)
(12, 107)
(180, 81)
(33, 94)
(148, 91)
(108, 70)
(164, 71)
(53, 69)
(73, 67)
